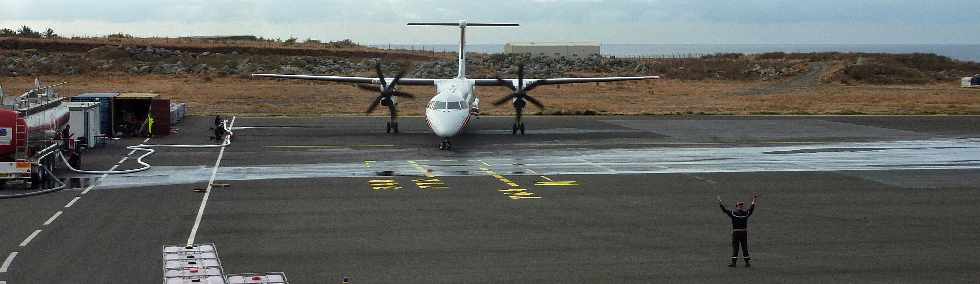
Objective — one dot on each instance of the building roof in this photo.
(137, 96)
(97, 95)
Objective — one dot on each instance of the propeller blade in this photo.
(397, 78)
(390, 88)
(381, 75)
(374, 104)
(367, 87)
(403, 94)
(507, 84)
(504, 99)
(520, 77)
(534, 101)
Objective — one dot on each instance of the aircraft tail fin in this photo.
(462, 37)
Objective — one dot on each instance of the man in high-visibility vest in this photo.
(149, 125)
(740, 226)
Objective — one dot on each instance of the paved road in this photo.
(811, 226)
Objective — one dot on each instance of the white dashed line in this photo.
(29, 238)
(72, 202)
(10, 258)
(89, 188)
(207, 191)
(54, 217)
(7, 262)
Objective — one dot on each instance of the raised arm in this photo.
(755, 196)
(723, 209)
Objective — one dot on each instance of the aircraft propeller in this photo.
(386, 97)
(519, 98)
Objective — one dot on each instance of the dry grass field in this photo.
(265, 97)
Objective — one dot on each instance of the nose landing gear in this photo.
(445, 144)
(391, 127)
(517, 126)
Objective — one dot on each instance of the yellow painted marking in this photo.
(557, 183)
(515, 192)
(524, 197)
(384, 184)
(425, 172)
(368, 164)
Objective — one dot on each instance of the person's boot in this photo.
(734, 260)
(748, 262)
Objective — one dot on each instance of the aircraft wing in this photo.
(559, 81)
(357, 80)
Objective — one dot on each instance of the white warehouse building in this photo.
(553, 49)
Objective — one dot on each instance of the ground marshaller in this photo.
(740, 226)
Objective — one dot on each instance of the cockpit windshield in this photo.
(439, 105)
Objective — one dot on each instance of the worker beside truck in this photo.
(39, 126)
(33, 130)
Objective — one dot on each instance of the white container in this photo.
(84, 122)
(177, 112)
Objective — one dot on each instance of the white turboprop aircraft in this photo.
(455, 102)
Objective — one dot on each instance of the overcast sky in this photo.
(624, 21)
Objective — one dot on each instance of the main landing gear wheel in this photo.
(37, 177)
(517, 127)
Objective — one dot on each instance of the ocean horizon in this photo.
(963, 52)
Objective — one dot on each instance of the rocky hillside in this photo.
(148, 60)
(162, 61)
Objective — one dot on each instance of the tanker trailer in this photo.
(33, 129)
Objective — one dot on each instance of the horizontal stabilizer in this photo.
(458, 24)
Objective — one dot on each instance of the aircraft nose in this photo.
(444, 124)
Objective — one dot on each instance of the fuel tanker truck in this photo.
(33, 130)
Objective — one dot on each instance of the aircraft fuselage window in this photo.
(454, 105)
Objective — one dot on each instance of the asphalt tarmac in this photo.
(561, 204)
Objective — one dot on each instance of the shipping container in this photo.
(133, 110)
(84, 122)
(161, 113)
(106, 110)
